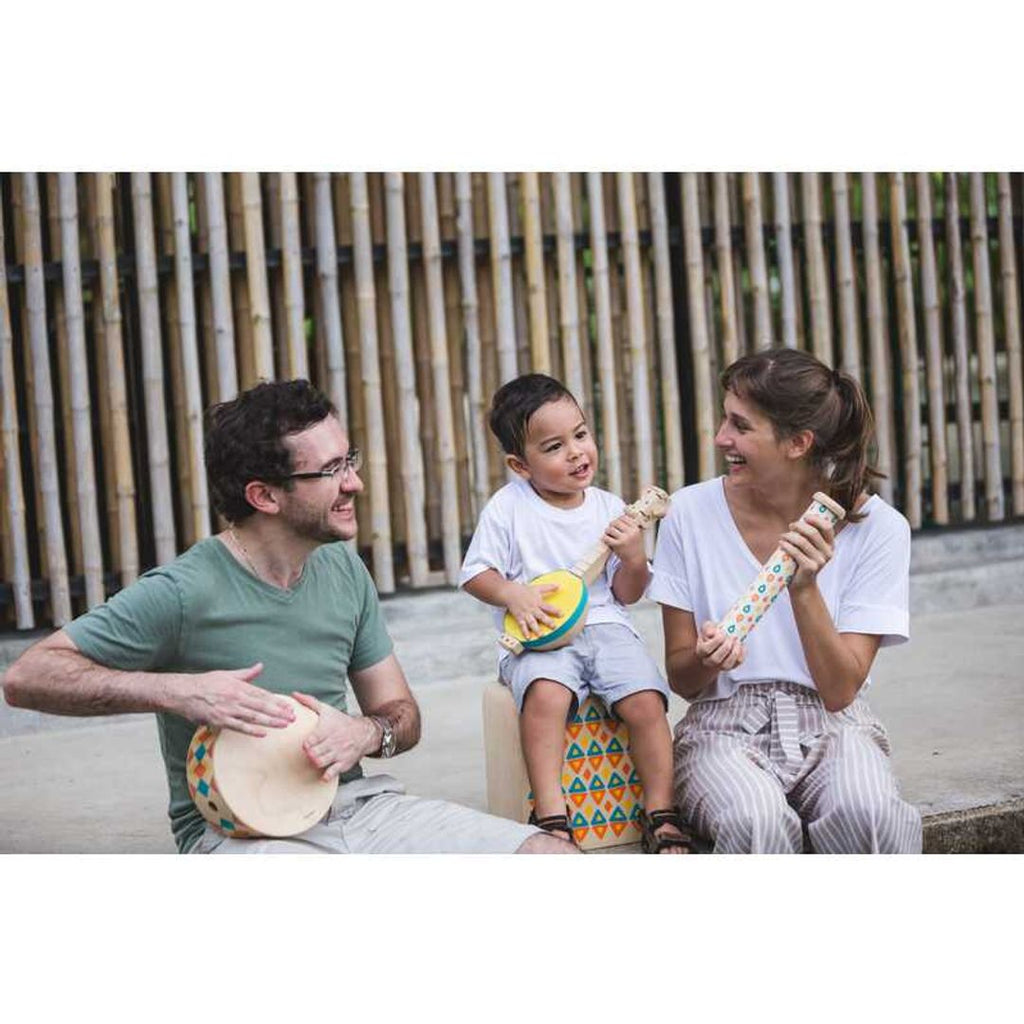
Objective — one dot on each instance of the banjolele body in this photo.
(572, 594)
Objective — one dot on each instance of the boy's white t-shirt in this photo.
(522, 536)
(703, 565)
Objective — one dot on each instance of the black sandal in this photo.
(651, 842)
(552, 824)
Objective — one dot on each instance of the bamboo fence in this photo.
(130, 302)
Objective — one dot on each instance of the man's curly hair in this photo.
(244, 439)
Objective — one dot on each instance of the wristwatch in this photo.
(388, 740)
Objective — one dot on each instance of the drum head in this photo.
(570, 599)
(269, 783)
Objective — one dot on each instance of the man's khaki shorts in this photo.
(374, 815)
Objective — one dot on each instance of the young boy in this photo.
(545, 519)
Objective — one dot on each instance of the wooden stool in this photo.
(602, 789)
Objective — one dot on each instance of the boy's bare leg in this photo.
(542, 733)
(650, 743)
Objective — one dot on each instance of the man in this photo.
(271, 605)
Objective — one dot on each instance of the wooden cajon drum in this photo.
(602, 789)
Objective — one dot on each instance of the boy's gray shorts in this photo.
(607, 660)
(374, 815)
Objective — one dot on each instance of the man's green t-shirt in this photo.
(204, 611)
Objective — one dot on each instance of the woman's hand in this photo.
(811, 543)
(527, 606)
(716, 650)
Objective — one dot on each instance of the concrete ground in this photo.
(952, 700)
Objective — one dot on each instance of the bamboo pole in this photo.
(799, 249)
(241, 307)
(81, 409)
(520, 309)
(552, 288)
(704, 394)
(584, 293)
(220, 288)
(846, 285)
(161, 497)
(352, 340)
(623, 375)
(53, 529)
(705, 206)
(1011, 324)
(411, 453)
(533, 238)
(116, 387)
(480, 484)
(723, 260)
(568, 300)
(383, 566)
(181, 467)
(270, 192)
(961, 354)
(327, 281)
(18, 233)
(638, 354)
(14, 496)
(670, 404)
(294, 303)
(90, 250)
(501, 270)
(878, 339)
(423, 363)
(58, 318)
(605, 347)
(206, 328)
(909, 359)
(784, 248)
(821, 316)
(199, 497)
(736, 251)
(497, 471)
(933, 352)
(447, 219)
(256, 274)
(386, 357)
(992, 458)
(754, 224)
(439, 363)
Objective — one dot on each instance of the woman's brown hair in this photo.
(798, 392)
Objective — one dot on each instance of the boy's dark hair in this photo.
(515, 402)
(244, 439)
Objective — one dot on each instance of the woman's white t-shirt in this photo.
(703, 565)
(522, 536)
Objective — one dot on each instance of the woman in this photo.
(778, 738)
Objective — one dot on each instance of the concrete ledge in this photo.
(998, 828)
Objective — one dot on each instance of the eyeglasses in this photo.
(352, 462)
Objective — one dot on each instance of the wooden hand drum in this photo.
(258, 785)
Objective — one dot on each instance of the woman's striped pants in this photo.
(768, 768)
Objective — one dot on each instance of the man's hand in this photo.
(716, 650)
(227, 699)
(339, 741)
(626, 538)
(527, 606)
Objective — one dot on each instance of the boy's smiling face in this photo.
(560, 457)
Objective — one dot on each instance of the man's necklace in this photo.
(245, 555)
